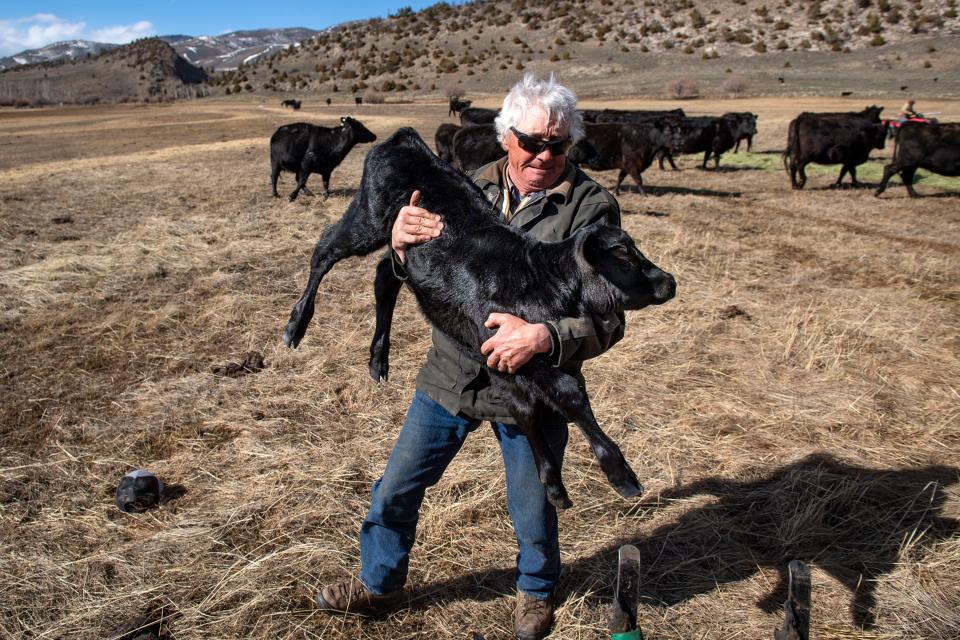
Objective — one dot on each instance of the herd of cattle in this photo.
(630, 140)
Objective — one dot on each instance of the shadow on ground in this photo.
(850, 521)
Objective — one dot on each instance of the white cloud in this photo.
(124, 33)
(41, 29)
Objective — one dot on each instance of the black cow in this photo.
(305, 148)
(443, 140)
(358, 100)
(934, 147)
(712, 135)
(475, 146)
(480, 265)
(477, 115)
(589, 116)
(830, 139)
(628, 147)
(636, 116)
(743, 126)
(457, 105)
(870, 114)
(293, 104)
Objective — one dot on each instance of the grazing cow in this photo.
(457, 105)
(712, 135)
(329, 101)
(305, 148)
(293, 104)
(830, 139)
(443, 140)
(475, 146)
(628, 147)
(934, 147)
(743, 126)
(477, 115)
(358, 100)
(477, 266)
(846, 93)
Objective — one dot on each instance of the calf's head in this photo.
(616, 275)
(360, 132)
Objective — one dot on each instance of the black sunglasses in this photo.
(536, 145)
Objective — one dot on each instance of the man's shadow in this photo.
(850, 521)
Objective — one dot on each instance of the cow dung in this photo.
(252, 363)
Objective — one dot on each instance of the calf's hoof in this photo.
(379, 370)
(290, 338)
(627, 484)
(294, 331)
(557, 496)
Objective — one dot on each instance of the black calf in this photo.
(477, 266)
(305, 148)
(443, 140)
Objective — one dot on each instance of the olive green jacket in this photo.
(460, 384)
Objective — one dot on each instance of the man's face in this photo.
(535, 172)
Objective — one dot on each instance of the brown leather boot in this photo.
(352, 597)
(532, 619)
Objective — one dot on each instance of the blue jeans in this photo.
(428, 441)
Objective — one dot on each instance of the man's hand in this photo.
(514, 343)
(413, 226)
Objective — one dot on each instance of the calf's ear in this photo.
(588, 245)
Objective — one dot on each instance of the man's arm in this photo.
(516, 341)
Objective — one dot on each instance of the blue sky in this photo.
(28, 25)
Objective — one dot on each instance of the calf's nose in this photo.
(666, 288)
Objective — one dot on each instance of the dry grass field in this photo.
(798, 399)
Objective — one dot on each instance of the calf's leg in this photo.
(274, 175)
(907, 177)
(326, 184)
(301, 183)
(843, 172)
(562, 392)
(620, 177)
(352, 235)
(888, 172)
(523, 407)
(304, 188)
(386, 288)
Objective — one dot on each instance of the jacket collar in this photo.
(493, 174)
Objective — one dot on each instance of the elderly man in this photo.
(537, 190)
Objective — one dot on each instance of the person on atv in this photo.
(908, 112)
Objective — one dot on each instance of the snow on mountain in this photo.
(57, 50)
(225, 51)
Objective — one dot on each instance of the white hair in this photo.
(559, 102)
